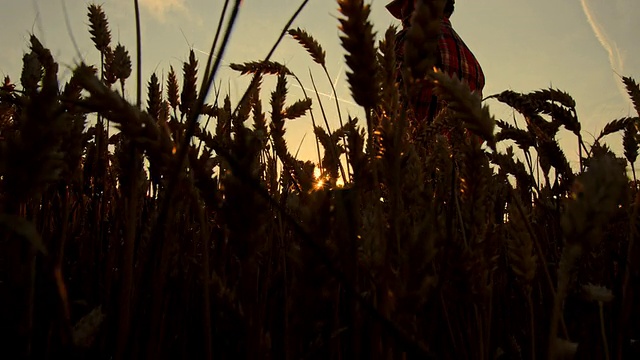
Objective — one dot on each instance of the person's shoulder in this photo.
(446, 29)
(445, 26)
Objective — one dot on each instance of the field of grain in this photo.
(194, 232)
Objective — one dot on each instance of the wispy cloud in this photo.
(160, 8)
(610, 46)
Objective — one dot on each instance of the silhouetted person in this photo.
(454, 57)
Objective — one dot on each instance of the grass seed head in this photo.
(421, 41)
(313, 47)
(630, 143)
(597, 194)
(634, 92)
(298, 109)
(31, 72)
(263, 67)
(173, 89)
(189, 84)
(466, 105)
(99, 28)
(358, 41)
(121, 65)
(616, 125)
(154, 93)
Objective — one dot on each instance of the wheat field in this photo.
(194, 232)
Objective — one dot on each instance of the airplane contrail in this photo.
(615, 59)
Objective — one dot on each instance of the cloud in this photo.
(159, 8)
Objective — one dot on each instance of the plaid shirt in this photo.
(455, 59)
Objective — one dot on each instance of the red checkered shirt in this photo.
(455, 59)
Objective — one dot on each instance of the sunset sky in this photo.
(575, 45)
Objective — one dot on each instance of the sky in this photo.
(578, 46)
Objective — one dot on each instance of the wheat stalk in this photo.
(421, 40)
(319, 56)
(189, 94)
(261, 67)
(466, 105)
(99, 28)
(121, 65)
(634, 92)
(358, 41)
(313, 47)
